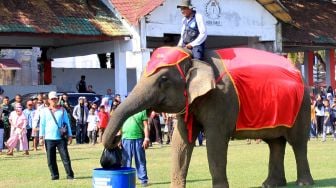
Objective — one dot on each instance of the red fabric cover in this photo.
(163, 57)
(269, 87)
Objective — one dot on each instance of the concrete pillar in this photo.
(330, 67)
(278, 38)
(143, 55)
(120, 71)
(141, 61)
(308, 67)
(34, 65)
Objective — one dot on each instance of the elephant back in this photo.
(264, 82)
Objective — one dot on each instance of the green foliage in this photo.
(247, 166)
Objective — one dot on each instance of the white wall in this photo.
(223, 18)
(88, 61)
(66, 79)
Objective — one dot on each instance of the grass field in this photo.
(247, 166)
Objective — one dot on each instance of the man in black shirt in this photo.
(81, 85)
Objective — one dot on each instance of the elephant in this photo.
(200, 89)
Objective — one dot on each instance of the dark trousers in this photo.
(200, 138)
(319, 122)
(62, 147)
(197, 51)
(29, 133)
(6, 134)
(155, 130)
(80, 133)
(313, 130)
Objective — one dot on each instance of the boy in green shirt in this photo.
(135, 139)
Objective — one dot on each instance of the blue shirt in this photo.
(48, 127)
(29, 115)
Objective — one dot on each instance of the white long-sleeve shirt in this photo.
(201, 28)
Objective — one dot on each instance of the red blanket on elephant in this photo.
(269, 87)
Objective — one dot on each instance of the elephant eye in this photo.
(164, 78)
(162, 81)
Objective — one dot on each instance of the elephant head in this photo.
(167, 85)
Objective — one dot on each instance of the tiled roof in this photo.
(314, 22)
(9, 64)
(60, 17)
(133, 10)
(276, 9)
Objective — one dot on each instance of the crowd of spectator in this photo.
(20, 123)
(323, 114)
(90, 121)
(41, 119)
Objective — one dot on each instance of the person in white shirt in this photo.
(193, 34)
(92, 120)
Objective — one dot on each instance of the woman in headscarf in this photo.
(18, 123)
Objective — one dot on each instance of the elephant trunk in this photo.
(139, 99)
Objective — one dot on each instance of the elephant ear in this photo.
(200, 80)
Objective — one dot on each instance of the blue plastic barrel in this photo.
(118, 178)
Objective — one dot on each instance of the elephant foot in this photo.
(178, 182)
(226, 185)
(305, 181)
(269, 183)
(176, 185)
(220, 183)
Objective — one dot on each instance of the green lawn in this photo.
(247, 166)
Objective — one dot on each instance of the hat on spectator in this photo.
(52, 95)
(81, 98)
(29, 102)
(185, 3)
(44, 96)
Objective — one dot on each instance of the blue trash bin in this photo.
(117, 178)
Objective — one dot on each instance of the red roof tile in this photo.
(133, 10)
(61, 17)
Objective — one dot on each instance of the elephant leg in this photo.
(217, 157)
(276, 171)
(303, 171)
(181, 154)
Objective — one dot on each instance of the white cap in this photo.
(52, 95)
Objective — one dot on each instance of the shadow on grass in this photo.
(168, 182)
(83, 177)
(330, 182)
(79, 159)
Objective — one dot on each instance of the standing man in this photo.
(135, 139)
(29, 113)
(51, 119)
(2, 126)
(6, 110)
(193, 32)
(81, 85)
(80, 113)
(18, 99)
